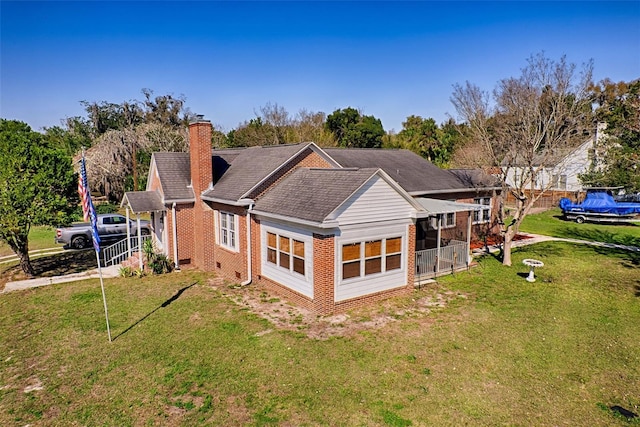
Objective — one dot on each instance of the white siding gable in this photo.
(375, 201)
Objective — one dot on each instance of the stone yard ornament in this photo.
(533, 263)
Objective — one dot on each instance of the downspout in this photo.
(174, 232)
(249, 279)
(140, 249)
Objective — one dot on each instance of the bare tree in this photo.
(309, 126)
(532, 120)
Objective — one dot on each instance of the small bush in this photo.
(158, 263)
(125, 272)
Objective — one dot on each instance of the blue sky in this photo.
(389, 59)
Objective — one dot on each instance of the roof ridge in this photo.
(339, 169)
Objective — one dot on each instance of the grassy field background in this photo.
(492, 349)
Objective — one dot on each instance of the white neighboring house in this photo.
(562, 171)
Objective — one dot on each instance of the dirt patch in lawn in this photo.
(285, 316)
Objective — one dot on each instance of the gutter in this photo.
(241, 202)
(454, 190)
(174, 201)
(322, 225)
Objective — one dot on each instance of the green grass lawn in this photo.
(502, 351)
(40, 237)
(550, 223)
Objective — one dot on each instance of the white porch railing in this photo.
(119, 251)
(452, 257)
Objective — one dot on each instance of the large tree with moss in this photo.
(37, 186)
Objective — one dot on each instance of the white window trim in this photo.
(363, 259)
(484, 219)
(290, 269)
(222, 232)
(433, 221)
(288, 278)
(444, 220)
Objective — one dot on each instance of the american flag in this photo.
(88, 211)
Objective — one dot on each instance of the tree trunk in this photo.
(25, 263)
(506, 252)
(506, 249)
(19, 244)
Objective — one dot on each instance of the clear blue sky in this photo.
(390, 60)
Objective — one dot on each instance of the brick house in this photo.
(328, 229)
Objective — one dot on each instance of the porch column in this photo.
(469, 238)
(438, 243)
(128, 233)
(139, 243)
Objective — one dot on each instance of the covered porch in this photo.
(139, 202)
(443, 238)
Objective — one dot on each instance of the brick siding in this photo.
(227, 263)
(185, 230)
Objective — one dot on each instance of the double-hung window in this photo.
(559, 181)
(483, 215)
(285, 252)
(449, 220)
(228, 232)
(375, 256)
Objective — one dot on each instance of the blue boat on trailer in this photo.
(599, 206)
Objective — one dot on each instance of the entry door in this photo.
(158, 226)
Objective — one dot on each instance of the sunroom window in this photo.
(371, 257)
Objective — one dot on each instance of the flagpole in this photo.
(89, 213)
(104, 297)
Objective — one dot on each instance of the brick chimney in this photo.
(200, 152)
(200, 155)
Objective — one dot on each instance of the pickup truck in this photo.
(111, 227)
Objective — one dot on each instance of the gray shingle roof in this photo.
(415, 174)
(312, 194)
(247, 167)
(143, 201)
(175, 175)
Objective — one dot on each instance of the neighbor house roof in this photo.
(547, 158)
(174, 171)
(415, 174)
(312, 194)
